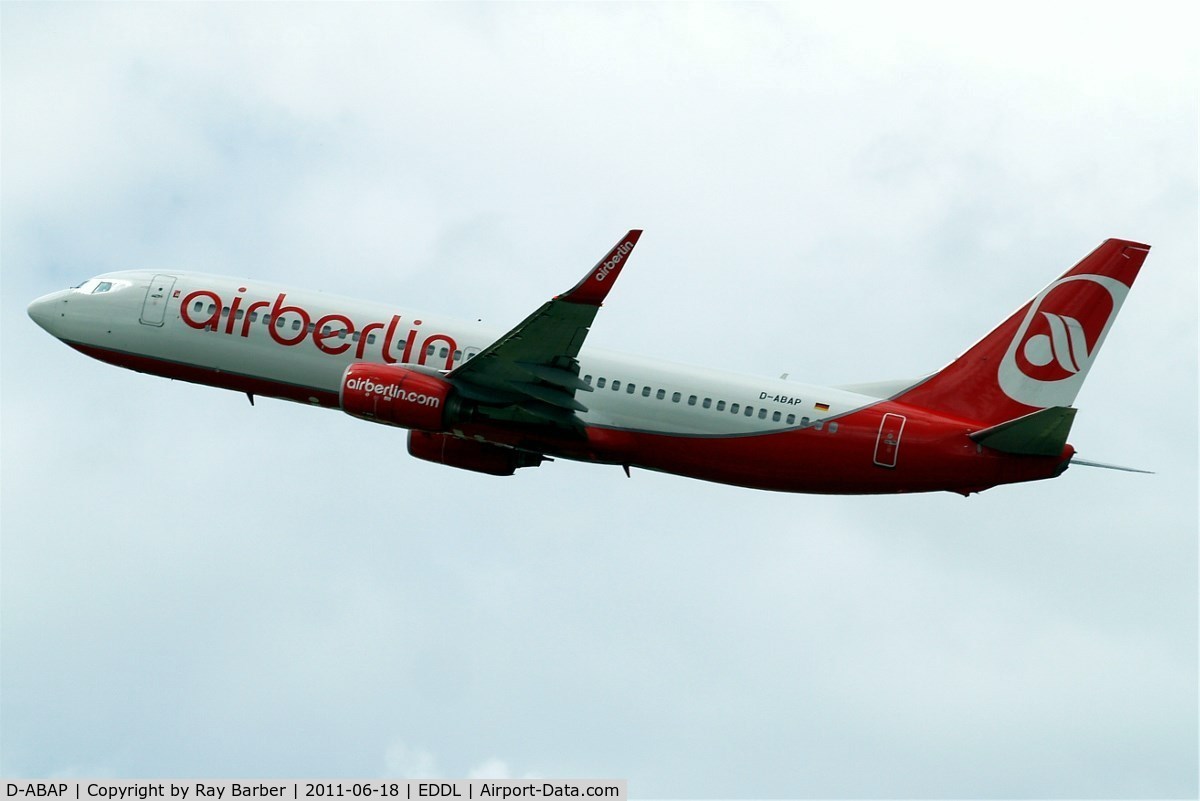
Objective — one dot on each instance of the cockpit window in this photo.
(96, 286)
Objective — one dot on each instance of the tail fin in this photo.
(1038, 357)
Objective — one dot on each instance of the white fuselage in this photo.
(305, 340)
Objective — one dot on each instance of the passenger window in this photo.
(224, 311)
(312, 327)
(445, 352)
(733, 408)
(212, 307)
(833, 428)
(342, 334)
(819, 425)
(762, 414)
(457, 355)
(600, 382)
(675, 396)
(587, 379)
(775, 417)
(197, 306)
(707, 403)
(325, 329)
(791, 418)
(279, 321)
(720, 406)
(646, 392)
(429, 350)
(295, 325)
(749, 411)
(804, 422)
(370, 339)
(616, 384)
(630, 388)
(241, 313)
(254, 317)
(691, 400)
(661, 394)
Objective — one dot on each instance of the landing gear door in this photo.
(154, 308)
(887, 444)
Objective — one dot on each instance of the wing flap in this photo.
(551, 395)
(557, 376)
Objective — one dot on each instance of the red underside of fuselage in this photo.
(211, 377)
(934, 452)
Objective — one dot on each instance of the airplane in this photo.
(493, 402)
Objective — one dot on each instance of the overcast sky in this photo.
(195, 587)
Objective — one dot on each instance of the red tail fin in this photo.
(1039, 356)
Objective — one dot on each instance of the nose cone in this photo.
(47, 310)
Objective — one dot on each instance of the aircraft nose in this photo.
(46, 310)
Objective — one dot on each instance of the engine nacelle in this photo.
(467, 454)
(397, 396)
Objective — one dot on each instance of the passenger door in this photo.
(154, 307)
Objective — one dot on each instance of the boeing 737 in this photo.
(493, 402)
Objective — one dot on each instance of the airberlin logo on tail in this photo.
(621, 252)
(1055, 344)
(392, 392)
(1066, 345)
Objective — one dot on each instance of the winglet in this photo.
(594, 287)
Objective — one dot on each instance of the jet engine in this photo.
(467, 454)
(398, 396)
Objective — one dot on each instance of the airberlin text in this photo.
(392, 392)
(614, 262)
(333, 333)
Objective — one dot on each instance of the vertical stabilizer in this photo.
(1038, 357)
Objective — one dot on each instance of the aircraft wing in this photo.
(531, 374)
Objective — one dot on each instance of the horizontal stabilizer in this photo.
(1075, 460)
(1043, 433)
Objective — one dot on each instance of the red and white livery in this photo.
(494, 402)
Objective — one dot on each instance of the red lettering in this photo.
(233, 310)
(212, 319)
(451, 347)
(362, 337)
(408, 343)
(279, 309)
(255, 306)
(387, 340)
(319, 336)
(340, 326)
